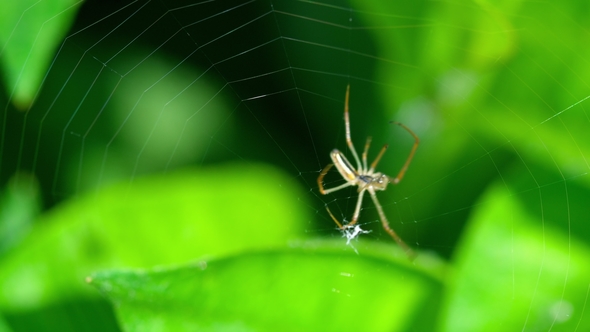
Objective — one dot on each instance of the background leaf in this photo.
(19, 206)
(4, 326)
(30, 32)
(509, 256)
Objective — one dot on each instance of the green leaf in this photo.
(515, 272)
(19, 206)
(30, 31)
(167, 219)
(3, 326)
(319, 287)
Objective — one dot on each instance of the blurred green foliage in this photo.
(507, 258)
(19, 206)
(499, 186)
(30, 32)
(311, 286)
(172, 219)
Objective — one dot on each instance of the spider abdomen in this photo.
(343, 165)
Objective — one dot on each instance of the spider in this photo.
(365, 178)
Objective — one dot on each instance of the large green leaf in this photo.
(515, 272)
(317, 287)
(30, 31)
(167, 219)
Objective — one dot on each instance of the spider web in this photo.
(497, 96)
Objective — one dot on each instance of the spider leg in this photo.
(376, 161)
(357, 209)
(388, 229)
(334, 218)
(355, 216)
(321, 178)
(365, 152)
(347, 126)
(402, 172)
(324, 191)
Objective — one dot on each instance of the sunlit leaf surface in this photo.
(323, 288)
(168, 219)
